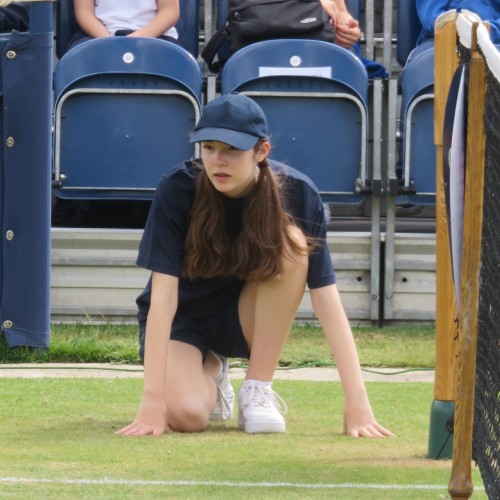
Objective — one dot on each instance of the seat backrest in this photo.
(124, 109)
(354, 7)
(296, 56)
(187, 25)
(66, 25)
(417, 115)
(127, 55)
(408, 29)
(418, 74)
(314, 95)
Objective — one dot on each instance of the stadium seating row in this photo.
(135, 101)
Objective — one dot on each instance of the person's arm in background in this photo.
(359, 420)
(87, 20)
(347, 31)
(166, 17)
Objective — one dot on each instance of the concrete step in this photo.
(94, 276)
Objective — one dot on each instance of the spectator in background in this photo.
(138, 18)
(429, 10)
(14, 17)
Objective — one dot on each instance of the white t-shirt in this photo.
(128, 15)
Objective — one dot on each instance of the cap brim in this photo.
(238, 140)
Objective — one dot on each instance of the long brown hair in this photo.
(257, 252)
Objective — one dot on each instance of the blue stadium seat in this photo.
(314, 95)
(124, 108)
(417, 118)
(417, 152)
(66, 25)
(187, 26)
(408, 29)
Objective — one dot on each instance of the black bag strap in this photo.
(211, 48)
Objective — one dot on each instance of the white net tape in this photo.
(4, 3)
(464, 27)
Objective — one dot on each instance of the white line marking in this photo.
(230, 484)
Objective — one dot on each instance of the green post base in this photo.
(440, 440)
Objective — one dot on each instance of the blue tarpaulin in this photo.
(25, 176)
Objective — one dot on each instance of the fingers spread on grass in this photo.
(372, 430)
(365, 431)
(141, 429)
(385, 432)
(123, 430)
(352, 432)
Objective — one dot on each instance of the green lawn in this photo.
(57, 435)
(377, 347)
(58, 441)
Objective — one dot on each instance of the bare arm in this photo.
(87, 20)
(152, 414)
(358, 415)
(166, 17)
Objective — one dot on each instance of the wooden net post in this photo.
(446, 63)
(460, 485)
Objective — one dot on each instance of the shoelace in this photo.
(222, 382)
(225, 405)
(263, 396)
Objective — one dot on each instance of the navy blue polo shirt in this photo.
(162, 245)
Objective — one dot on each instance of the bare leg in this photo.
(267, 311)
(191, 389)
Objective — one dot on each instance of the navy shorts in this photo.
(221, 333)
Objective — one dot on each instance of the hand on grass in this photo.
(359, 421)
(151, 420)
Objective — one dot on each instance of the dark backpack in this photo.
(14, 17)
(251, 21)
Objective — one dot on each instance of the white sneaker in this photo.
(224, 407)
(260, 408)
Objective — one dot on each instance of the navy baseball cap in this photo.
(233, 119)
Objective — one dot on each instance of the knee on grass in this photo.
(188, 415)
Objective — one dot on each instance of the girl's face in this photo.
(232, 171)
